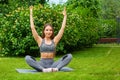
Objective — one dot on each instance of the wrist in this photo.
(30, 10)
(65, 15)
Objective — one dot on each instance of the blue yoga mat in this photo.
(65, 69)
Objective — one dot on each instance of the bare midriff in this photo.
(46, 55)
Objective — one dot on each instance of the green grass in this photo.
(101, 62)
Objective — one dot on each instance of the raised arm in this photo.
(61, 31)
(34, 32)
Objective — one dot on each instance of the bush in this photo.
(108, 28)
(16, 37)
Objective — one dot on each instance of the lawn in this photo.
(102, 62)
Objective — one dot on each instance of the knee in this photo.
(69, 56)
(27, 57)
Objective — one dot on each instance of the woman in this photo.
(47, 44)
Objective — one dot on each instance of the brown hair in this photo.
(43, 34)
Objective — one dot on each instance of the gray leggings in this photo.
(48, 63)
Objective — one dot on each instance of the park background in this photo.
(87, 22)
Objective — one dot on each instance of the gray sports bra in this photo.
(47, 47)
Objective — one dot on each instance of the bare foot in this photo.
(54, 69)
(47, 70)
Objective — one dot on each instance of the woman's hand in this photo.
(64, 11)
(31, 8)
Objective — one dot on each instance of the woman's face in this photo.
(48, 31)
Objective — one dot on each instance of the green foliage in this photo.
(91, 7)
(86, 21)
(108, 28)
(15, 32)
(3, 1)
(110, 9)
(16, 38)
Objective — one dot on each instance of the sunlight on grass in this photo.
(97, 63)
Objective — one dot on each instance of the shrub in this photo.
(108, 29)
(16, 37)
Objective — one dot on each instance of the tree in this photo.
(93, 6)
(42, 2)
(3, 1)
(110, 11)
(110, 8)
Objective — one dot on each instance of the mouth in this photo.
(48, 34)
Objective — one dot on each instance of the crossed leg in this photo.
(57, 65)
(62, 61)
(33, 63)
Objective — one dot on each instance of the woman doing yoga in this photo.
(47, 44)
